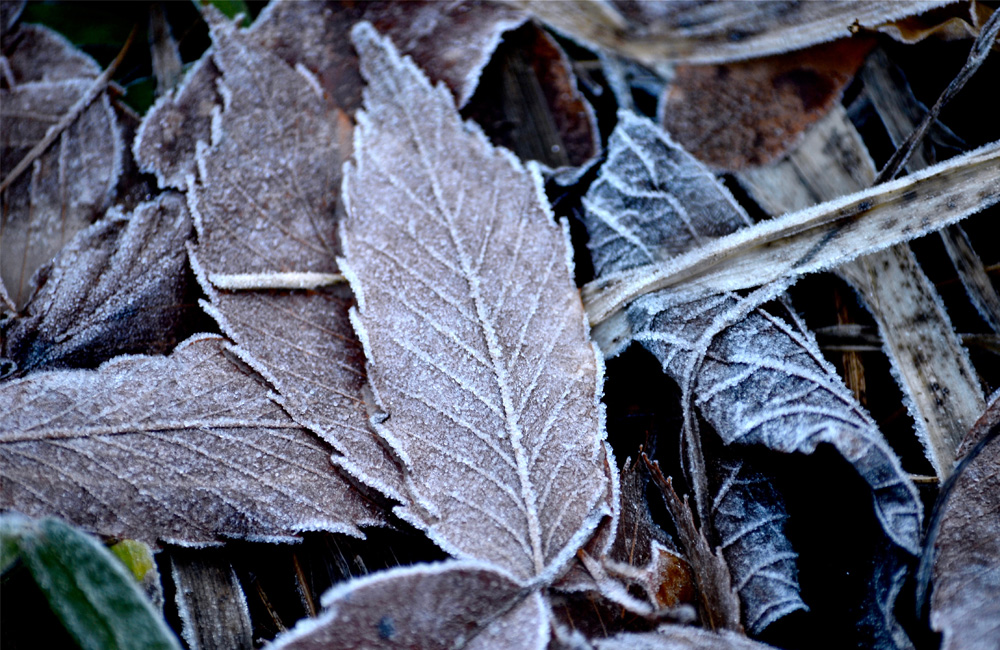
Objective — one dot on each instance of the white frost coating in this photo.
(445, 604)
(263, 281)
(352, 279)
(217, 131)
(489, 380)
(310, 78)
(183, 612)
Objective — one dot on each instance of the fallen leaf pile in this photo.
(316, 341)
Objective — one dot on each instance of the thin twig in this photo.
(70, 116)
(980, 50)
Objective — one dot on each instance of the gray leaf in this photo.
(943, 396)
(448, 605)
(187, 448)
(118, 287)
(763, 380)
(265, 202)
(749, 516)
(966, 577)
(72, 182)
(478, 349)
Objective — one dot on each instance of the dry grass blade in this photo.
(938, 381)
(815, 239)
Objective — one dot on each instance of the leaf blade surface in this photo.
(188, 448)
(478, 350)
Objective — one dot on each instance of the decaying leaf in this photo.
(717, 595)
(747, 113)
(642, 554)
(528, 102)
(713, 32)
(476, 340)
(448, 605)
(71, 183)
(116, 288)
(763, 380)
(452, 41)
(265, 202)
(966, 576)
(186, 448)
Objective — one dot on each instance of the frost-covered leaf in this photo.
(815, 239)
(69, 184)
(939, 383)
(478, 349)
(966, 575)
(749, 516)
(118, 287)
(165, 142)
(763, 379)
(449, 605)
(451, 40)
(265, 202)
(710, 32)
(92, 592)
(210, 601)
(748, 113)
(188, 448)
(676, 637)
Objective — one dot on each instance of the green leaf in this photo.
(10, 539)
(138, 557)
(232, 8)
(90, 590)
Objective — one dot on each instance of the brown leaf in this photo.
(748, 113)
(187, 448)
(451, 40)
(477, 345)
(265, 202)
(966, 577)
(727, 30)
(72, 182)
(528, 102)
(116, 288)
(448, 605)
